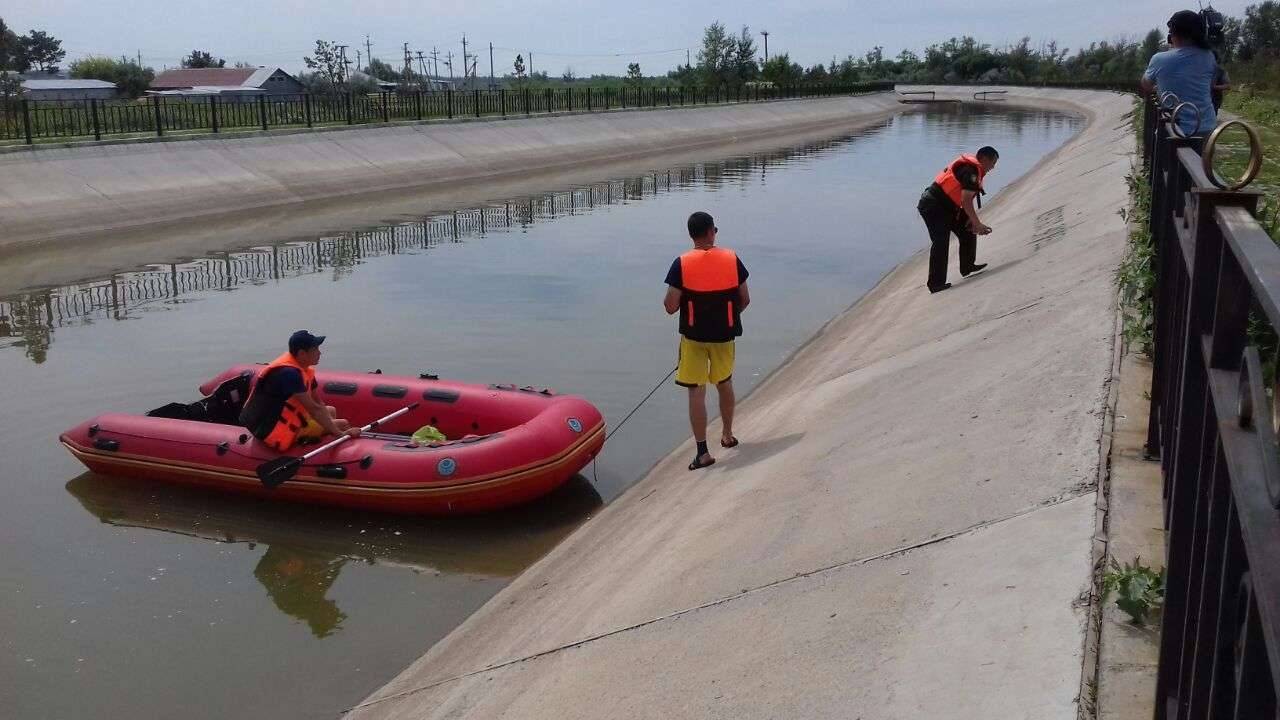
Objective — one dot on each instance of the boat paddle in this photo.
(274, 472)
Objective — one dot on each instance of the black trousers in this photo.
(943, 222)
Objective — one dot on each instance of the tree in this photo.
(42, 50)
(10, 89)
(202, 59)
(634, 78)
(12, 55)
(383, 71)
(568, 75)
(518, 67)
(715, 59)
(780, 71)
(745, 68)
(327, 62)
(1260, 31)
(131, 79)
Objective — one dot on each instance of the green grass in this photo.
(1261, 109)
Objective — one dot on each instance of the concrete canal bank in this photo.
(63, 192)
(907, 529)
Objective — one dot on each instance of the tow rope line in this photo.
(596, 463)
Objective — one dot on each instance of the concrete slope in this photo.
(904, 532)
(59, 192)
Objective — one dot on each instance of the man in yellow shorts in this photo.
(708, 287)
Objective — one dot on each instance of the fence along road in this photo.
(36, 121)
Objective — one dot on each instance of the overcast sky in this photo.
(600, 37)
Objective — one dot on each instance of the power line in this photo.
(589, 55)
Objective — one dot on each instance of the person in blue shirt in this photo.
(1187, 70)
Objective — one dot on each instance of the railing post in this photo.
(502, 100)
(349, 100)
(97, 129)
(606, 98)
(213, 113)
(622, 95)
(155, 106)
(528, 105)
(26, 120)
(568, 93)
(262, 111)
(448, 97)
(668, 92)
(417, 104)
(386, 114)
(477, 98)
(588, 99)
(306, 108)
(548, 100)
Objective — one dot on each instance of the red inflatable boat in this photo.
(506, 445)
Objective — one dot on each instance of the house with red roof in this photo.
(219, 81)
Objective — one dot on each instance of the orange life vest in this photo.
(277, 421)
(950, 184)
(709, 308)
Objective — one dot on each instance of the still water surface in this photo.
(123, 599)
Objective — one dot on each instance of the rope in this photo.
(595, 463)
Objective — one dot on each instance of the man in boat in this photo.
(284, 406)
(947, 208)
(708, 287)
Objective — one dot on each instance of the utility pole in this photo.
(435, 62)
(688, 61)
(530, 66)
(492, 82)
(343, 63)
(448, 62)
(358, 60)
(368, 47)
(422, 68)
(765, 33)
(139, 58)
(408, 65)
(465, 59)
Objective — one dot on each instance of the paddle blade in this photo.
(274, 472)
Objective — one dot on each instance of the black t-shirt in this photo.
(676, 280)
(284, 382)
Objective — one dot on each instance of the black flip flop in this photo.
(733, 442)
(697, 465)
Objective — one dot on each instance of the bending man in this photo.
(284, 405)
(947, 208)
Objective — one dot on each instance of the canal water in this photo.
(125, 599)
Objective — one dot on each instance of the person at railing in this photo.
(947, 207)
(284, 406)
(1221, 82)
(1187, 71)
(708, 287)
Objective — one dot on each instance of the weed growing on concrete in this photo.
(1138, 589)
(1136, 275)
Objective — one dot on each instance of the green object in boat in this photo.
(427, 434)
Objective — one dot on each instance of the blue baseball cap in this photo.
(304, 340)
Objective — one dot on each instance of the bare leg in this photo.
(698, 415)
(727, 402)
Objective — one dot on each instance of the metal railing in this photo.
(1213, 426)
(33, 121)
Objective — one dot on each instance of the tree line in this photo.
(1250, 49)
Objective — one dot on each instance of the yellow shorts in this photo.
(703, 362)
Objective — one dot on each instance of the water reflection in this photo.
(29, 320)
(307, 547)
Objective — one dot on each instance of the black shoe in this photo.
(939, 288)
(972, 270)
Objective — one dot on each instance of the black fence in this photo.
(33, 121)
(1213, 426)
